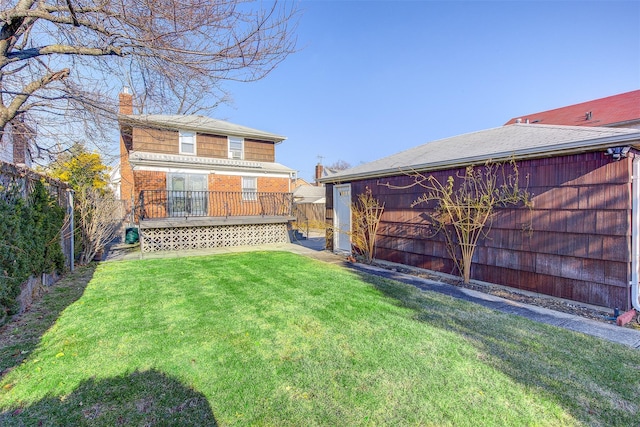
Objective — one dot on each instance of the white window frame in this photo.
(249, 188)
(234, 153)
(187, 138)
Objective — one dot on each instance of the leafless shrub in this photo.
(366, 213)
(100, 218)
(462, 208)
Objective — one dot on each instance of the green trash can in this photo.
(131, 236)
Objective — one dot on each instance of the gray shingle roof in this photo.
(518, 140)
(309, 194)
(141, 158)
(200, 124)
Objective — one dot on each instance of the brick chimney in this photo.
(22, 136)
(126, 101)
(127, 189)
(319, 170)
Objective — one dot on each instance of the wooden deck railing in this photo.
(158, 204)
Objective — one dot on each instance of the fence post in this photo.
(141, 201)
(132, 213)
(71, 236)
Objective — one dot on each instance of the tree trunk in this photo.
(466, 267)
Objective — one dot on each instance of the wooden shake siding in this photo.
(574, 243)
(213, 146)
(259, 151)
(155, 141)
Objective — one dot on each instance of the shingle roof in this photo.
(612, 110)
(200, 124)
(518, 140)
(309, 194)
(141, 158)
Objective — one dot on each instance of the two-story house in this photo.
(196, 182)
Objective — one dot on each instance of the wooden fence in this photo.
(309, 215)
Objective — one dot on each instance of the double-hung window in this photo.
(249, 188)
(187, 142)
(236, 147)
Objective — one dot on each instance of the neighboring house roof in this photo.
(141, 158)
(309, 194)
(327, 172)
(298, 182)
(519, 141)
(616, 110)
(323, 173)
(200, 124)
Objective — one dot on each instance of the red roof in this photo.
(612, 110)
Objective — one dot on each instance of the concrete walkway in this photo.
(314, 248)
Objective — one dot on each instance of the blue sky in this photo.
(372, 78)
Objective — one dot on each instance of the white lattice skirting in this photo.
(215, 236)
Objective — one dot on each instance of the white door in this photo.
(342, 218)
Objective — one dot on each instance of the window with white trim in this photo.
(187, 142)
(236, 147)
(249, 188)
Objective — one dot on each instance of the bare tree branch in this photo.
(463, 207)
(60, 50)
(174, 54)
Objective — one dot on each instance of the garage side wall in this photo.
(574, 243)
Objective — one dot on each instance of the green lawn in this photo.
(272, 338)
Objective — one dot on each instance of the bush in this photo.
(31, 241)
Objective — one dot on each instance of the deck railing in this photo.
(158, 204)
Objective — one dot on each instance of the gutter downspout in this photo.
(635, 231)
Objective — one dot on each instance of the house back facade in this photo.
(194, 181)
(578, 241)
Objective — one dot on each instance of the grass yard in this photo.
(273, 338)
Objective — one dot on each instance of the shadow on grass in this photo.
(141, 398)
(21, 335)
(594, 380)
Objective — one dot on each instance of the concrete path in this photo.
(610, 332)
(314, 248)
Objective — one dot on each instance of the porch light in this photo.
(617, 153)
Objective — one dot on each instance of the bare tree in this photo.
(339, 165)
(463, 207)
(61, 60)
